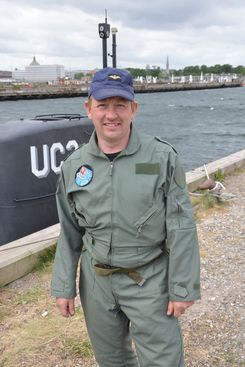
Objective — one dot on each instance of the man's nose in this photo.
(111, 113)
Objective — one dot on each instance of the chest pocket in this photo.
(150, 228)
(146, 217)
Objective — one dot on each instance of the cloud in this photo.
(157, 14)
(66, 32)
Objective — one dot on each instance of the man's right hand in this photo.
(66, 306)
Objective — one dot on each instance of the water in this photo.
(202, 125)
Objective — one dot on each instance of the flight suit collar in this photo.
(131, 148)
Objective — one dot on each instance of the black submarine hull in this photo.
(31, 154)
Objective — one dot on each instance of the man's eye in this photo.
(120, 105)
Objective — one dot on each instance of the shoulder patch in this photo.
(165, 142)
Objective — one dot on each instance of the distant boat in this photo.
(31, 154)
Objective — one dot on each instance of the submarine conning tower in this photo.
(31, 154)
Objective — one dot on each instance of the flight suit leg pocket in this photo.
(156, 277)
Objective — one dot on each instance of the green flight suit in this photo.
(133, 212)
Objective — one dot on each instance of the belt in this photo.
(106, 270)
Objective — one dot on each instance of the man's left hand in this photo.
(177, 309)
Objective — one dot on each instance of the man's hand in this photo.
(177, 309)
(66, 306)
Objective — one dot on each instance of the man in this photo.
(123, 205)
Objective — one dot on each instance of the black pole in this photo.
(104, 52)
(104, 33)
(114, 51)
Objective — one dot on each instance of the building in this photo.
(36, 73)
(18, 75)
(5, 74)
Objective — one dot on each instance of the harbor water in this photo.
(202, 125)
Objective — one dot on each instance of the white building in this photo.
(18, 75)
(44, 73)
(36, 73)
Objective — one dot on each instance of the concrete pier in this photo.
(19, 257)
(63, 91)
(225, 165)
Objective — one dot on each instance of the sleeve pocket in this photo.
(185, 212)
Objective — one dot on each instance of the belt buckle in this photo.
(106, 266)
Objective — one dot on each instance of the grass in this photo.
(27, 340)
(16, 87)
(238, 171)
(6, 304)
(77, 348)
(207, 201)
(30, 336)
(204, 204)
(33, 295)
(219, 176)
(45, 260)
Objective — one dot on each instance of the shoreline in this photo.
(50, 92)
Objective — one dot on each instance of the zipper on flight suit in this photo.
(109, 253)
(140, 223)
(111, 169)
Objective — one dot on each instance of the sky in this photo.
(189, 32)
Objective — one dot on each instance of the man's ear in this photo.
(134, 107)
(87, 105)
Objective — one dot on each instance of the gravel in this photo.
(214, 327)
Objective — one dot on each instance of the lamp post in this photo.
(114, 47)
(104, 33)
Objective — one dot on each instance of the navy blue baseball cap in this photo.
(112, 82)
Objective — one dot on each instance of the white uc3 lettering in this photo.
(49, 158)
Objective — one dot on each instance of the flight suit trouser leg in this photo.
(107, 325)
(109, 304)
(157, 337)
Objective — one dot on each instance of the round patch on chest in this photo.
(84, 175)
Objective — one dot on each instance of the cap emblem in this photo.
(114, 77)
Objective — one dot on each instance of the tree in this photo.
(78, 76)
(192, 70)
(217, 69)
(227, 68)
(204, 69)
(135, 72)
(240, 70)
(155, 71)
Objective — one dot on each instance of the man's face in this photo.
(111, 117)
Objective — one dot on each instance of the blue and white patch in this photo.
(84, 175)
